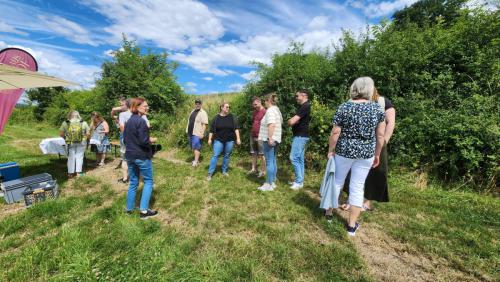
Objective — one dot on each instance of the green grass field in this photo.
(227, 230)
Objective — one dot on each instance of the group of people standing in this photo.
(357, 153)
(265, 137)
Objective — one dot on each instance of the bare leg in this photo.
(197, 156)
(103, 157)
(254, 162)
(368, 204)
(263, 165)
(354, 215)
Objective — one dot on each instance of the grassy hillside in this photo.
(227, 230)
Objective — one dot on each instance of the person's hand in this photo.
(209, 142)
(238, 142)
(331, 154)
(153, 139)
(270, 142)
(376, 161)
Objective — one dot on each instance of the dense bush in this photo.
(443, 79)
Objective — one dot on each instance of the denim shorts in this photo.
(195, 142)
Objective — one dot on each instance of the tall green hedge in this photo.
(443, 79)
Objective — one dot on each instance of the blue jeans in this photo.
(219, 147)
(145, 168)
(297, 157)
(271, 165)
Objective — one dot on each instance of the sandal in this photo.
(366, 208)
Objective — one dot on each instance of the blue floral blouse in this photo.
(358, 122)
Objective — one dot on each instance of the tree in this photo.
(131, 74)
(427, 12)
(43, 98)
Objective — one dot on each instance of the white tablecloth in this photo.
(53, 146)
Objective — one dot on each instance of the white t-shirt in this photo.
(125, 116)
(273, 115)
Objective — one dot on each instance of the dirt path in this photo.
(389, 260)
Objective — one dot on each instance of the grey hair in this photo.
(362, 88)
(74, 114)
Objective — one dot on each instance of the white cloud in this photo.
(190, 86)
(207, 78)
(381, 9)
(173, 24)
(236, 87)
(319, 22)
(2, 45)
(58, 64)
(249, 75)
(4, 27)
(70, 30)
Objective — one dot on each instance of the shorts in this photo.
(195, 142)
(256, 146)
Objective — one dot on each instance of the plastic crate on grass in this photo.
(40, 192)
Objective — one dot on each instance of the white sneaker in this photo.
(225, 174)
(194, 163)
(296, 186)
(261, 174)
(252, 171)
(274, 185)
(209, 178)
(266, 187)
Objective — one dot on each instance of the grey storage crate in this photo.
(13, 190)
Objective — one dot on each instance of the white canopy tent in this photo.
(15, 78)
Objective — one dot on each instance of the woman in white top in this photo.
(270, 135)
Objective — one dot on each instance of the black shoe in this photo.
(351, 231)
(329, 217)
(148, 214)
(129, 212)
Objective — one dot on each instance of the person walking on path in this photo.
(195, 129)
(376, 186)
(224, 130)
(100, 133)
(138, 155)
(256, 146)
(356, 141)
(270, 134)
(76, 133)
(300, 128)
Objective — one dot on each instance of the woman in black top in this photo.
(138, 154)
(224, 129)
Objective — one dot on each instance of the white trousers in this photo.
(359, 171)
(75, 157)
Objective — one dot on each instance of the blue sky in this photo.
(213, 41)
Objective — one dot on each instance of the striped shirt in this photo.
(273, 115)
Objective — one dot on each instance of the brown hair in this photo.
(272, 98)
(222, 105)
(376, 95)
(256, 98)
(98, 116)
(135, 103)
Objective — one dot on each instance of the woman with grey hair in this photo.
(75, 132)
(355, 141)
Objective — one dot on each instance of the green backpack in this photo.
(74, 134)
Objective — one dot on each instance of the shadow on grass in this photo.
(305, 199)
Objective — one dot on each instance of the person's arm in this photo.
(332, 141)
(238, 140)
(293, 120)
(270, 130)
(105, 127)
(113, 113)
(210, 138)
(390, 123)
(380, 143)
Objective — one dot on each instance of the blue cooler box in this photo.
(9, 171)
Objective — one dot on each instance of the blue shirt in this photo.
(136, 139)
(358, 122)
